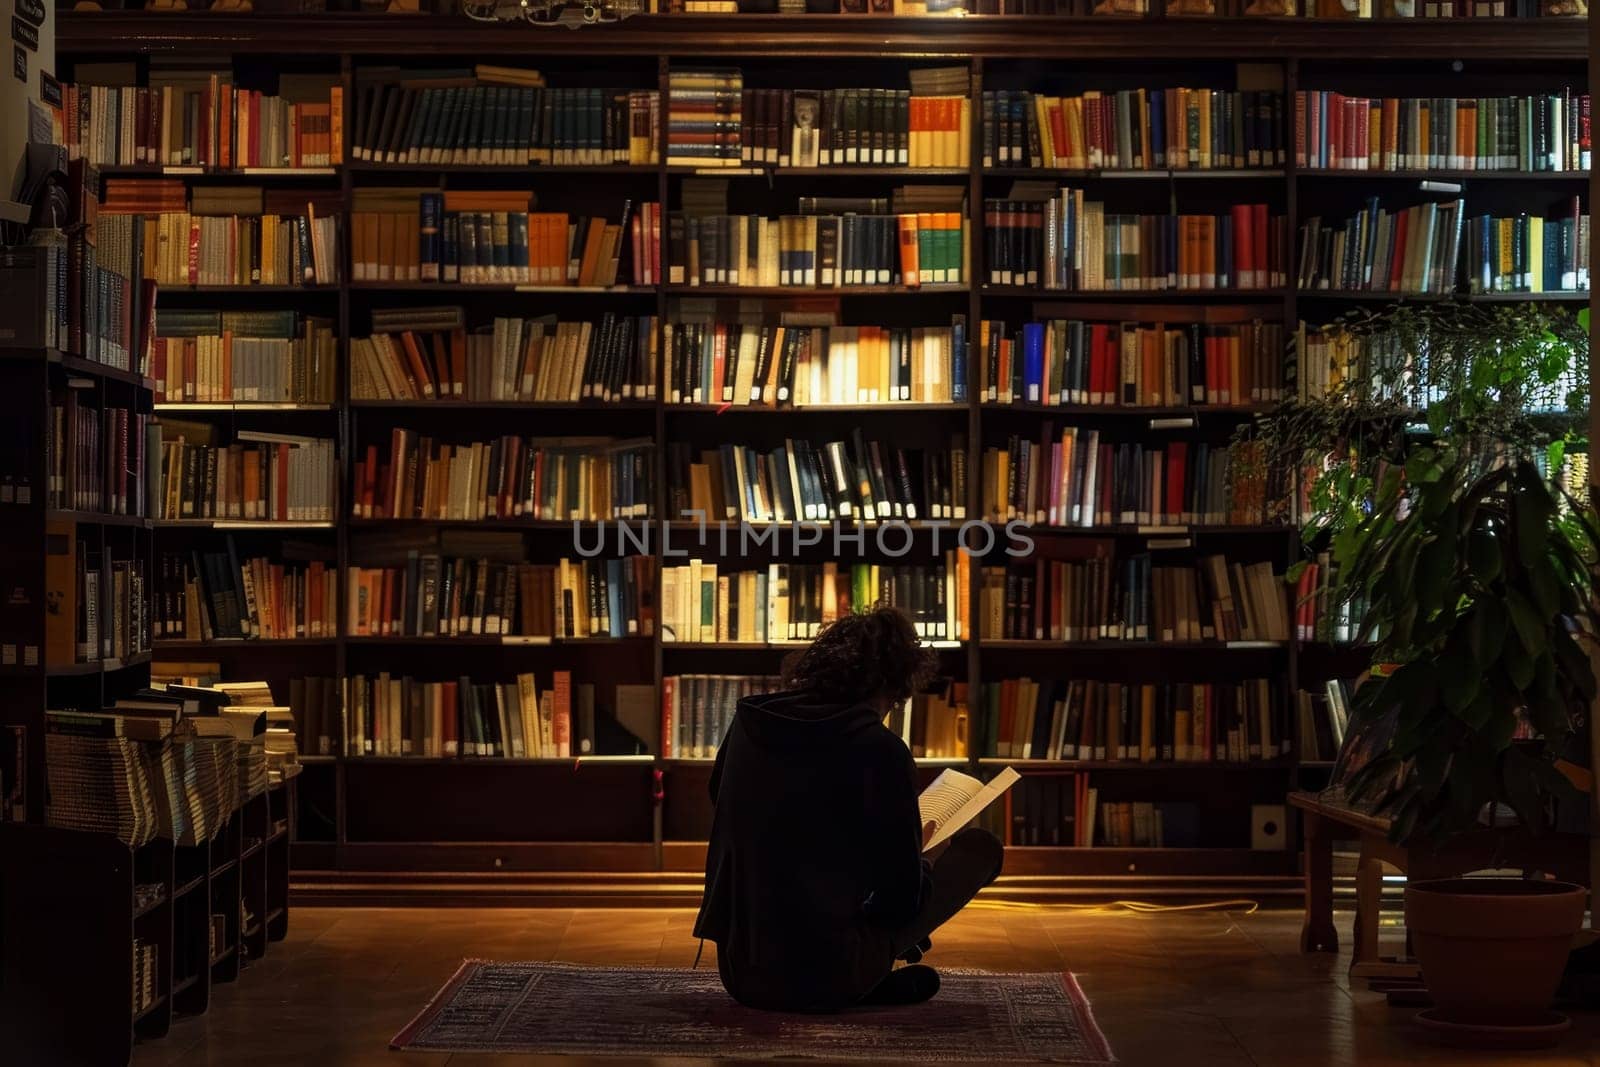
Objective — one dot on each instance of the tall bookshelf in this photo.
(411, 827)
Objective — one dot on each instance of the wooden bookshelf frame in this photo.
(654, 860)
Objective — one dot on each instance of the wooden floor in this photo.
(1184, 989)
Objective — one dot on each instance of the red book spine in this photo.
(1244, 264)
(1177, 465)
(1363, 137)
(1300, 115)
(281, 512)
(1260, 234)
(669, 685)
(449, 715)
(561, 714)
(1399, 257)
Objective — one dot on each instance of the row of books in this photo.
(203, 356)
(1078, 479)
(934, 725)
(1323, 719)
(95, 456)
(1412, 250)
(795, 364)
(818, 251)
(540, 360)
(1528, 254)
(1331, 362)
(1321, 614)
(98, 606)
(704, 116)
(430, 595)
(145, 768)
(1134, 129)
(181, 249)
(403, 122)
(852, 480)
(259, 476)
(1058, 240)
(490, 237)
(386, 715)
(1047, 810)
(215, 594)
(852, 127)
(565, 478)
(75, 295)
(698, 709)
(1107, 599)
(1383, 366)
(202, 119)
(703, 604)
(1548, 132)
(1130, 364)
(1421, 250)
(1180, 722)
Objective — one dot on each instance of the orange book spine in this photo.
(910, 276)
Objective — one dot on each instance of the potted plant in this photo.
(1476, 569)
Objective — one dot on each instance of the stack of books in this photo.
(104, 773)
(704, 117)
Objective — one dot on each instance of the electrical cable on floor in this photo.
(1123, 907)
(697, 952)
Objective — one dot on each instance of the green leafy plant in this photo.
(1422, 475)
(1480, 588)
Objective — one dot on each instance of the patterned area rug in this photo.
(557, 1008)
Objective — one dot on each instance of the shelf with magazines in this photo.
(427, 346)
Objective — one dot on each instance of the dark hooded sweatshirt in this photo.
(815, 857)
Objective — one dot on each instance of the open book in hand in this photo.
(953, 799)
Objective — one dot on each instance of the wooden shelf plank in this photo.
(834, 35)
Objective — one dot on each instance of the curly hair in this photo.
(863, 658)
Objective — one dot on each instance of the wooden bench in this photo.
(1566, 856)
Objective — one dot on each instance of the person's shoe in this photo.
(915, 953)
(907, 985)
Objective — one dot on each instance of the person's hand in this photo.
(928, 829)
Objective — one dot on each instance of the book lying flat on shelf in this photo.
(954, 799)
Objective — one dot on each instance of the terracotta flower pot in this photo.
(1492, 949)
